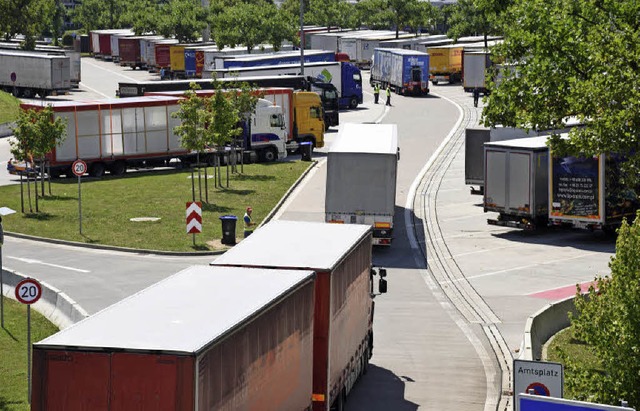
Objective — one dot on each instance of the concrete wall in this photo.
(55, 305)
(543, 325)
(5, 129)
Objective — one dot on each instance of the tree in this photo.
(37, 132)
(568, 58)
(607, 321)
(243, 24)
(184, 19)
(388, 13)
(142, 16)
(28, 17)
(99, 14)
(476, 17)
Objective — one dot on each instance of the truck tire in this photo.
(118, 168)
(269, 155)
(96, 170)
(28, 93)
(353, 103)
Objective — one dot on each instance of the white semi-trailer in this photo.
(27, 74)
(362, 167)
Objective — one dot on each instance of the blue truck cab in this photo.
(351, 94)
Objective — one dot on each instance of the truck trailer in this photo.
(586, 192)
(116, 134)
(405, 71)
(340, 256)
(474, 70)
(206, 338)
(346, 77)
(75, 66)
(275, 58)
(27, 74)
(516, 182)
(362, 167)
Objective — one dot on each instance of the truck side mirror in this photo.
(383, 272)
(382, 286)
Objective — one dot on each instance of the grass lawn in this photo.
(13, 353)
(109, 204)
(576, 350)
(9, 107)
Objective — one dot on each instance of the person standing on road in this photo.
(388, 95)
(248, 223)
(476, 96)
(376, 93)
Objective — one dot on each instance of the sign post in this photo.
(539, 377)
(79, 167)
(194, 219)
(28, 291)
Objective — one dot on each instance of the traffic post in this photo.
(79, 167)
(194, 219)
(28, 291)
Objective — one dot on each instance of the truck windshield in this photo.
(330, 94)
(277, 120)
(315, 112)
(357, 78)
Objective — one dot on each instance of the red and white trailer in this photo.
(206, 338)
(340, 255)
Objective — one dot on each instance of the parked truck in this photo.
(587, 192)
(340, 256)
(474, 70)
(206, 338)
(445, 64)
(327, 91)
(27, 74)
(129, 50)
(346, 77)
(362, 167)
(302, 112)
(274, 59)
(75, 67)
(516, 183)
(405, 71)
(116, 134)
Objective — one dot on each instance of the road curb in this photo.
(54, 305)
(544, 324)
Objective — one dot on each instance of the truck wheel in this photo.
(28, 93)
(96, 170)
(269, 155)
(353, 103)
(118, 168)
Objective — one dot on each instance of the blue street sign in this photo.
(540, 403)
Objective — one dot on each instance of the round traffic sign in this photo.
(538, 389)
(14, 77)
(28, 291)
(79, 167)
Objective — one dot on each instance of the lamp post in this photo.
(302, 37)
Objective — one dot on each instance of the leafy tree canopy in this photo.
(182, 19)
(566, 58)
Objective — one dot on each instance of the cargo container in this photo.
(129, 51)
(362, 169)
(329, 40)
(75, 66)
(116, 134)
(162, 53)
(213, 57)
(410, 43)
(115, 44)
(587, 193)
(27, 74)
(405, 71)
(206, 338)
(101, 42)
(340, 255)
(360, 48)
(516, 183)
(147, 51)
(474, 70)
(274, 59)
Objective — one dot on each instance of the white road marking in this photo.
(32, 261)
(94, 90)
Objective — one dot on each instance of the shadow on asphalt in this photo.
(595, 241)
(400, 254)
(380, 390)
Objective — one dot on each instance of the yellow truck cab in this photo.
(308, 118)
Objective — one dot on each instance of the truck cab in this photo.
(308, 118)
(351, 86)
(268, 132)
(330, 102)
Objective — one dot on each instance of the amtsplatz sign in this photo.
(28, 291)
(194, 217)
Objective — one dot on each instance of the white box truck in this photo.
(26, 74)
(362, 166)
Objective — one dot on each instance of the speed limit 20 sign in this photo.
(28, 291)
(79, 167)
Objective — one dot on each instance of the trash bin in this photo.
(306, 147)
(228, 229)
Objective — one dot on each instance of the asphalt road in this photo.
(459, 290)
